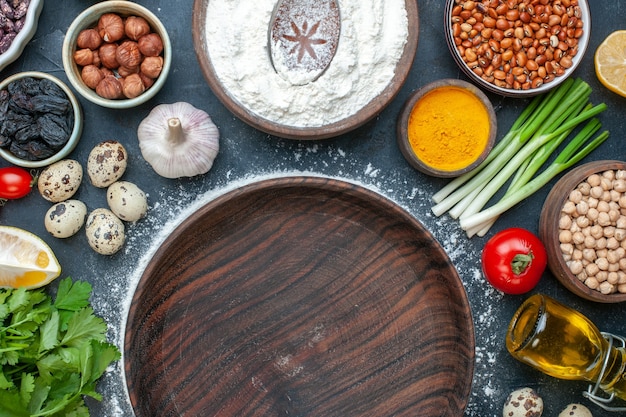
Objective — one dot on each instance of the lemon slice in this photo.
(25, 259)
(610, 62)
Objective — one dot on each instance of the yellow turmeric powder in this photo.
(448, 128)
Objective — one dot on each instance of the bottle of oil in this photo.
(565, 344)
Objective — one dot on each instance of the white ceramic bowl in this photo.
(583, 42)
(24, 36)
(89, 18)
(76, 131)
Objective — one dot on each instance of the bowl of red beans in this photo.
(583, 227)
(517, 48)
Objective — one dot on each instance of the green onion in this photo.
(546, 123)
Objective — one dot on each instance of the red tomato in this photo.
(513, 260)
(15, 183)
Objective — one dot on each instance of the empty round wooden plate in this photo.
(299, 296)
(370, 65)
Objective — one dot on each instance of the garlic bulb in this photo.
(178, 140)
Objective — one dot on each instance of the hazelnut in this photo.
(83, 57)
(107, 55)
(91, 76)
(109, 88)
(96, 58)
(125, 72)
(106, 71)
(111, 27)
(147, 81)
(151, 44)
(133, 86)
(151, 66)
(128, 55)
(88, 38)
(135, 27)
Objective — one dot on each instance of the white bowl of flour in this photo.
(376, 48)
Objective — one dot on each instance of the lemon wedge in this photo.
(610, 62)
(25, 259)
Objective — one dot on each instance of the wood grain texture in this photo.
(299, 296)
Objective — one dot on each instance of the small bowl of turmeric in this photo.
(446, 128)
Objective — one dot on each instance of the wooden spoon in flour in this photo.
(303, 38)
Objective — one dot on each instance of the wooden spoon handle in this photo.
(303, 38)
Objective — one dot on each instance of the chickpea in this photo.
(565, 236)
(609, 231)
(593, 214)
(606, 288)
(576, 267)
(601, 276)
(604, 219)
(606, 184)
(621, 288)
(582, 222)
(609, 174)
(596, 192)
(589, 242)
(613, 278)
(570, 208)
(582, 207)
(584, 188)
(578, 238)
(612, 243)
(597, 231)
(620, 223)
(592, 269)
(592, 283)
(567, 249)
(594, 180)
(620, 185)
(602, 263)
(615, 195)
(565, 222)
(603, 207)
(613, 257)
(575, 196)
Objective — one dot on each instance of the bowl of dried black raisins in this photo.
(19, 24)
(40, 119)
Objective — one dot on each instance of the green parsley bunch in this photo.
(52, 352)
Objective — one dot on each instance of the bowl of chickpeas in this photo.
(517, 48)
(583, 226)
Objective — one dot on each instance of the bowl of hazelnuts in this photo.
(117, 54)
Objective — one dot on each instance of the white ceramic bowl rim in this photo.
(25, 35)
(79, 23)
(76, 132)
(583, 43)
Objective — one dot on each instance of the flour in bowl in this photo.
(372, 40)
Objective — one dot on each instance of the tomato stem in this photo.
(520, 262)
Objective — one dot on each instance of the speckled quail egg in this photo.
(127, 201)
(105, 231)
(575, 410)
(65, 218)
(60, 181)
(524, 402)
(106, 163)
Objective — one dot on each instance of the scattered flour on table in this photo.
(168, 209)
(372, 39)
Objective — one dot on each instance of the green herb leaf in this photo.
(52, 352)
